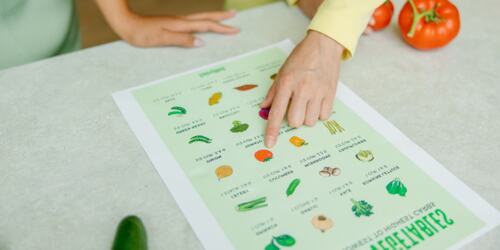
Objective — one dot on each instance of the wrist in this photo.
(326, 44)
(118, 15)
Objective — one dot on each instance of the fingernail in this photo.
(270, 141)
(198, 42)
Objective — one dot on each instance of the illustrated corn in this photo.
(333, 127)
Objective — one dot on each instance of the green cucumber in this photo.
(292, 186)
(130, 235)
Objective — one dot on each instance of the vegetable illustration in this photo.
(246, 87)
(429, 24)
(329, 171)
(200, 138)
(292, 186)
(263, 155)
(214, 99)
(177, 111)
(333, 127)
(273, 76)
(239, 127)
(382, 16)
(297, 141)
(223, 171)
(264, 113)
(322, 222)
(251, 205)
(361, 207)
(365, 155)
(284, 240)
(396, 187)
(130, 235)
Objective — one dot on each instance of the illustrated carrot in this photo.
(246, 87)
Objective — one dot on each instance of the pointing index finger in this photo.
(276, 115)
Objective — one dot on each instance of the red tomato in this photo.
(263, 155)
(382, 16)
(429, 24)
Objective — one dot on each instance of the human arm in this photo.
(305, 86)
(152, 31)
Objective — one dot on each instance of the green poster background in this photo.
(330, 196)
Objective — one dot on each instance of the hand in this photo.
(144, 31)
(154, 31)
(307, 81)
(309, 7)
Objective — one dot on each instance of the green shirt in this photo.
(35, 29)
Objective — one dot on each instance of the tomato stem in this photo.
(429, 15)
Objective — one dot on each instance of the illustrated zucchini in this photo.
(292, 186)
(130, 235)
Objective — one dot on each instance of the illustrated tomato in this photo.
(263, 155)
(382, 16)
(429, 24)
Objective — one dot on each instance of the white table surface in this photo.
(70, 168)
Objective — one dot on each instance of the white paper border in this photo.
(204, 224)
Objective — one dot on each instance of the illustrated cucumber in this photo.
(130, 235)
(292, 186)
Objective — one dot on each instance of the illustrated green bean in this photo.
(251, 205)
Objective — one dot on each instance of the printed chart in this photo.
(351, 182)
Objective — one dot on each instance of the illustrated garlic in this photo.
(329, 171)
(322, 223)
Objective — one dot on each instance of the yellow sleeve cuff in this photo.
(292, 2)
(344, 21)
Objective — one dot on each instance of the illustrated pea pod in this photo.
(292, 186)
(177, 110)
